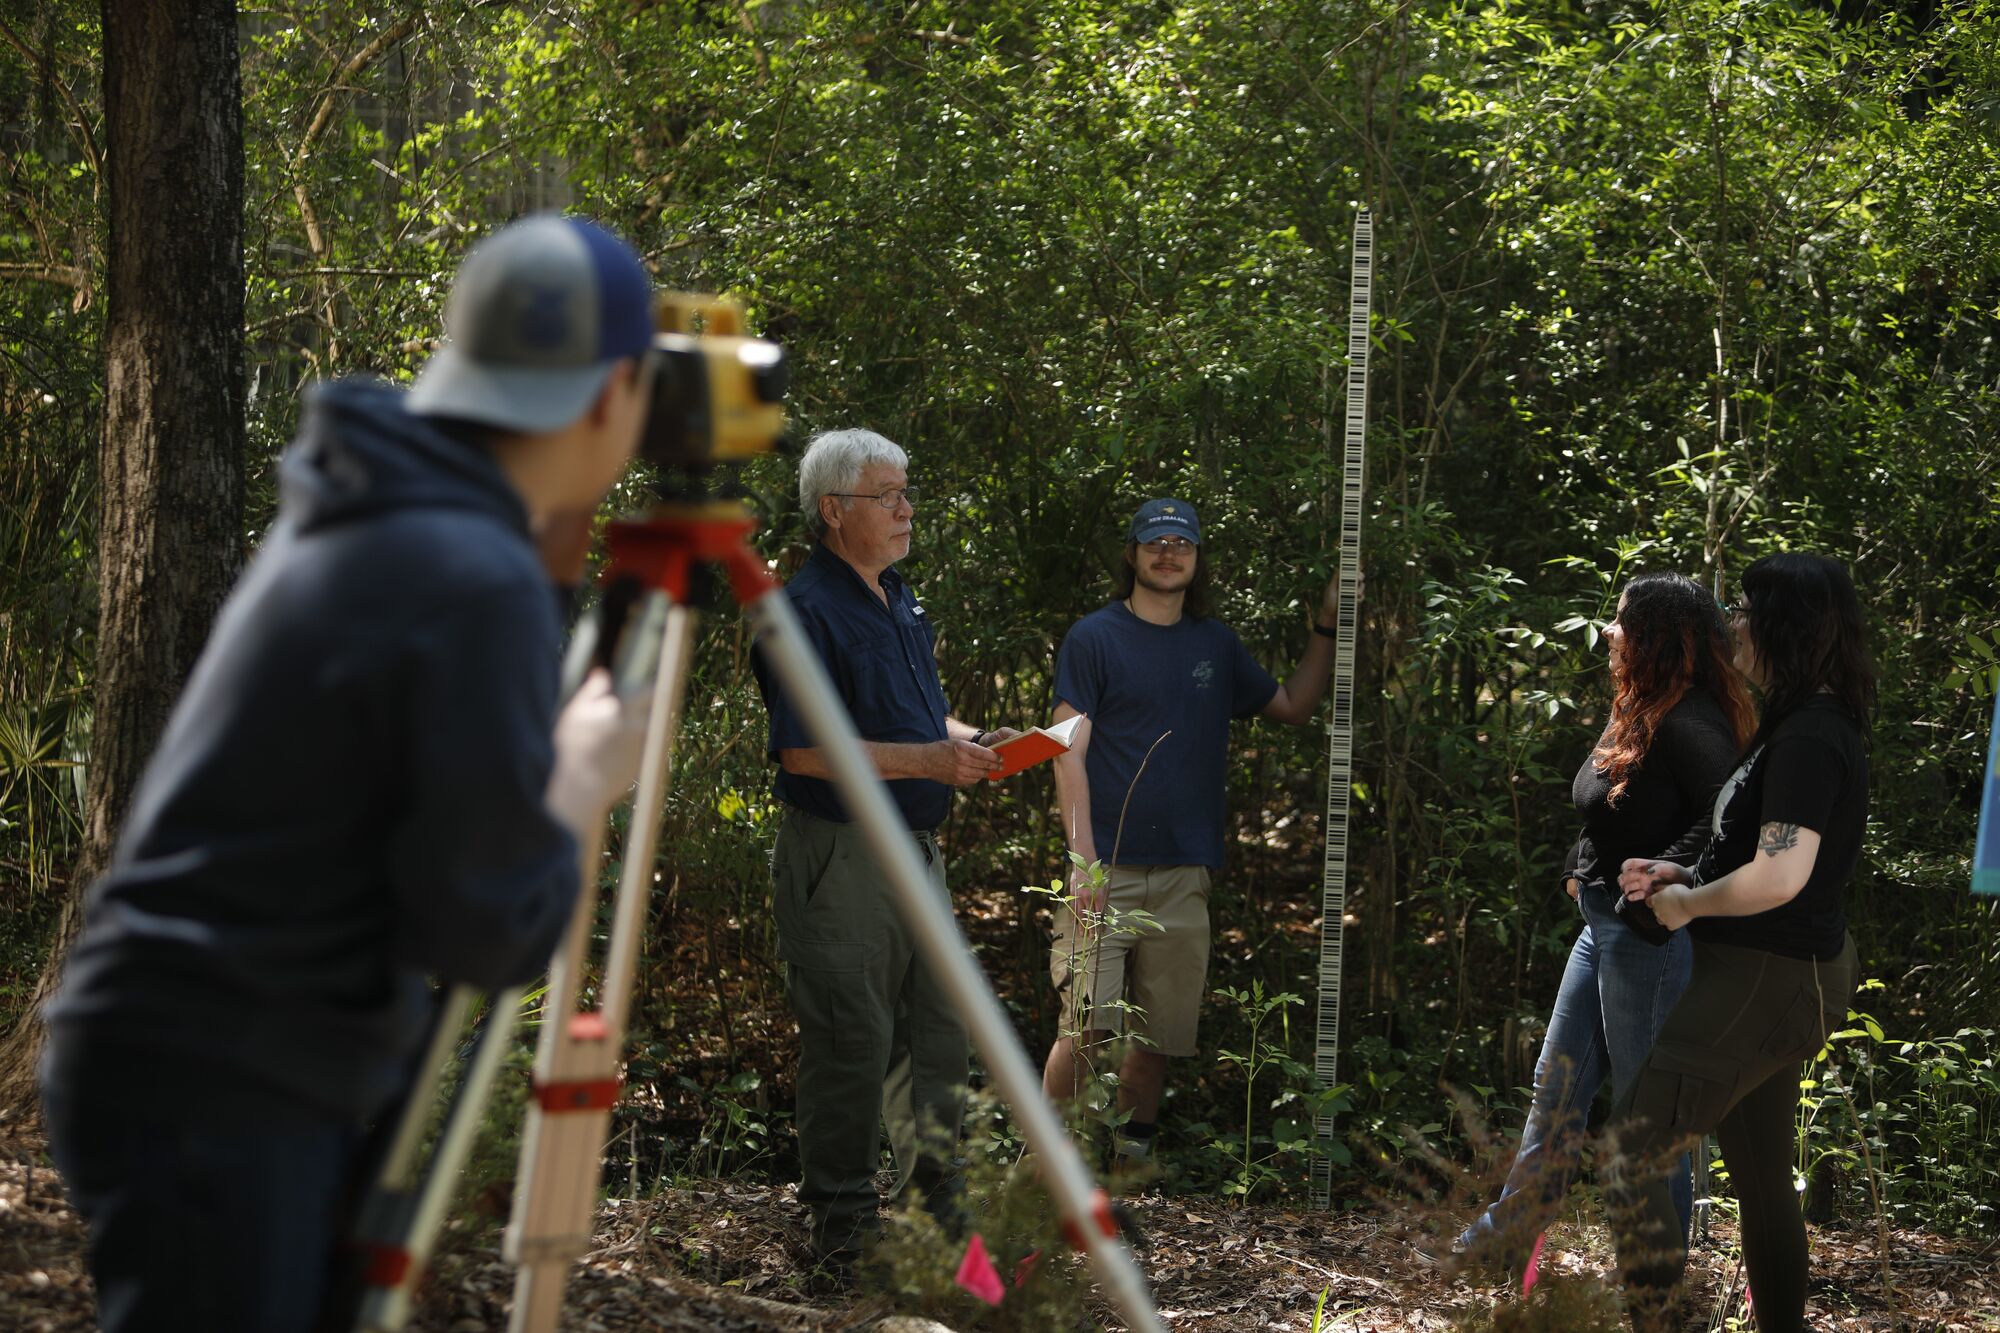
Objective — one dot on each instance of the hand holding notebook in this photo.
(1032, 747)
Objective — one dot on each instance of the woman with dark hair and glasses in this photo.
(1774, 967)
(1679, 718)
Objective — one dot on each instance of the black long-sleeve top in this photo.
(1664, 811)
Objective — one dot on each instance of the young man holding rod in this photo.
(1142, 790)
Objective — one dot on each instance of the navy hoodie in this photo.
(348, 797)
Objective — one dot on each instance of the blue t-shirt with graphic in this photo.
(1138, 682)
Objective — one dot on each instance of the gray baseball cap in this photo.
(538, 315)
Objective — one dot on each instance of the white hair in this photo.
(833, 464)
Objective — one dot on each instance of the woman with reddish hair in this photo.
(1679, 717)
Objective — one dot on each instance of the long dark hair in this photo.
(1674, 641)
(1126, 576)
(1804, 621)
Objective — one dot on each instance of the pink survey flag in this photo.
(977, 1275)
(1533, 1271)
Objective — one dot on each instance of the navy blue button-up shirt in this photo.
(883, 663)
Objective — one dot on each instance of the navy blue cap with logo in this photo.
(539, 314)
(1166, 518)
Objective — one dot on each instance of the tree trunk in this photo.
(170, 463)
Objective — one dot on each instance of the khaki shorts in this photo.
(1142, 976)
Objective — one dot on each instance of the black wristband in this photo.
(1331, 631)
(979, 737)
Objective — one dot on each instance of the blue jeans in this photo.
(1616, 992)
(227, 1228)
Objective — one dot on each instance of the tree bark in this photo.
(170, 462)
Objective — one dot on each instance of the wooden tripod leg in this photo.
(577, 1064)
(538, 1294)
(401, 1217)
(388, 1276)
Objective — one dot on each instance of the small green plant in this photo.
(1955, 1123)
(1280, 1154)
(737, 1129)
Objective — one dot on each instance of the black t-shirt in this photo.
(1661, 813)
(1813, 772)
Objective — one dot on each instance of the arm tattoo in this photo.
(1777, 838)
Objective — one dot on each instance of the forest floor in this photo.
(726, 1255)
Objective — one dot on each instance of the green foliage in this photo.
(1914, 1121)
(1103, 921)
(51, 373)
(1279, 1155)
(1662, 286)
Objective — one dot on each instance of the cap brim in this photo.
(519, 398)
(1147, 534)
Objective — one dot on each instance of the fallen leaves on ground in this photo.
(728, 1257)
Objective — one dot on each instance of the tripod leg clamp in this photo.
(582, 1094)
(386, 1266)
(1100, 1213)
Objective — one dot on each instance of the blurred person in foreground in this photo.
(365, 785)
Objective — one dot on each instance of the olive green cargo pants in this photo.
(865, 1004)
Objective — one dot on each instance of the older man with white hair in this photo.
(863, 998)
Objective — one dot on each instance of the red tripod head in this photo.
(662, 549)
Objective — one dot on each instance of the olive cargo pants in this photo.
(864, 1002)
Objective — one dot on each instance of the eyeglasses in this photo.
(888, 499)
(1168, 546)
(1736, 609)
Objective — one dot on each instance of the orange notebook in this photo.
(1032, 747)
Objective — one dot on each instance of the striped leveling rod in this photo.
(1986, 851)
(1340, 728)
